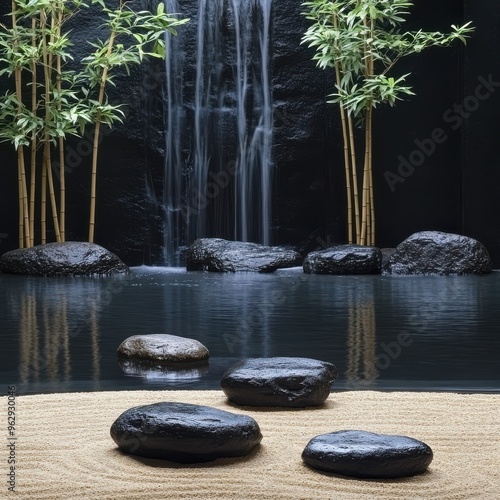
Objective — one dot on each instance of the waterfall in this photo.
(218, 168)
(173, 183)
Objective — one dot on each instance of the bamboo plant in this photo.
(362, 40)
(54, 97)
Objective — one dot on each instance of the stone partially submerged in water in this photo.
(344, 259)
(70, 258)
(184, 433)
(367, 455)
(218, 255)
(435, 252)
(163, 348)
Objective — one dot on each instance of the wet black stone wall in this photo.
(449, 156)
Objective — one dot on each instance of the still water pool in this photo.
(382, 332)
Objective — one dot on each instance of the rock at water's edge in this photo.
(435, 252)
(163, 348)
(70, 258)
(218, 255)
(344, 260)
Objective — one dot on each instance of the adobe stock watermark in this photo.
(454, 117)
(284, 117)
(131, 442)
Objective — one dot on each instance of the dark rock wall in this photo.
(481, 154)
(450, 185)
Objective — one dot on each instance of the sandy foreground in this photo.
(64, 450)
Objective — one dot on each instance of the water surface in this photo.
(404, 333)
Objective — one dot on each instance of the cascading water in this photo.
(218, 168)
(173, 179)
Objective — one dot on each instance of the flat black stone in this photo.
(344, 260)
(291, 382)
(184, 433)
(367, 455)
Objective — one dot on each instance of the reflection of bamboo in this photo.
(369, 346)
(35, 341)
(24, 340)
(65, 338)
(361, 344)
(56, 333)
(352, 345)
(28, 339)
(50, 355)
(23, 348)
(94, 338)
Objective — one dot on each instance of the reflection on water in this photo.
(361, 341)
(53, 314)
(49, 315)
(172, 373)
(381, 332)
(28, 338)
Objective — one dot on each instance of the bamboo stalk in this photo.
(43, 209)
(372, 198)
(48, 60)
(20, 198)
(347, 168)
(368, 208)
(364, 203)
(43, 190)
(368, 227)
(26, 219)
(34, 142)
(19, 158)
(47, 159)
(62, 191)
(23, 201)
(95, 147)
(345, 140)
(62, 180)
(367, 174)
(354, 179)
(370, 147)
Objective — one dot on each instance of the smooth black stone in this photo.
(344, 260)
(367, 455)
(218, 255)
(70, 258)
(435, 252)
(184, 433)
(291, 382)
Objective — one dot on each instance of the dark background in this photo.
(454, 189)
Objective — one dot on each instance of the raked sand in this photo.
(64, 450)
